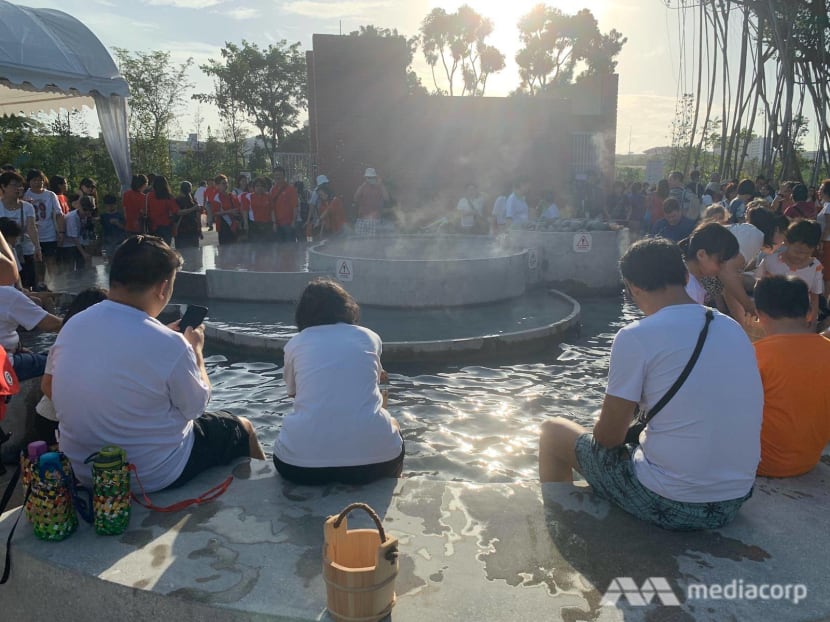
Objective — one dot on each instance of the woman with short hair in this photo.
(339, 430)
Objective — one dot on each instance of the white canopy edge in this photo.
(27, 101)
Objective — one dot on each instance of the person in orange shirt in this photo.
(286, 202)
(370, 198)
(795, 365)
(332, 214)
(57, 184)
(225, 212)
(210, 196)
(262, 224)
(161, 207)
(135, 203)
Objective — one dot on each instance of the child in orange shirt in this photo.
(794, 363)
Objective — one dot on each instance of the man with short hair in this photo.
(516, 211)
(674, 225)
(687, 200)
(694, 464)
(694, 184)
(802, 208)
(795, 364)
(120, 377)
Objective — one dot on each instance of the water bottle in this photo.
(109, 458)
(49, 465)
(111, 488)
(35, 450)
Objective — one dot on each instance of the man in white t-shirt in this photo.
(120, 377)
(694, 465)
(17, 309)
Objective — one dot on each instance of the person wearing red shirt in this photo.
(57, 184)
(332, 214)
(285, 201)
(262, 222)
(225, 212)
(803, 208)
(161, 207)
(369, 198)
(135, 203)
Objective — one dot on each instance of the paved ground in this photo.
(468, 552)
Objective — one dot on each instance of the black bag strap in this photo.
(7, 495)
(685, 373)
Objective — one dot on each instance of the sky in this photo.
(648, 64)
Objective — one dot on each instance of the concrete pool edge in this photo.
(501, 343)
(467, 552)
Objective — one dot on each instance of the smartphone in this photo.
(193, 316)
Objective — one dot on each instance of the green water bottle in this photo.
(111, 490)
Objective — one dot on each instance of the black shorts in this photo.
(49, 249)
(353, 475)
(218, 438)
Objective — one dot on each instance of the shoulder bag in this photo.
(632, 436)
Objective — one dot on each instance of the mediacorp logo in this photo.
(652, 588)
(658, 589)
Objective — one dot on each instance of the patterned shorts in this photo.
(611, 475)
(366, 226)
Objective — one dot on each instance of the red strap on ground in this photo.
(209, 495)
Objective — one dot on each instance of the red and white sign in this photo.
(583, 242)
(345, 272)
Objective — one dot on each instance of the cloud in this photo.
(334, 10)
(240, 13)
(184, 4)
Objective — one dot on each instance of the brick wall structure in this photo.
(427, 148)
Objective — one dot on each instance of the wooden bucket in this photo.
(359, 568)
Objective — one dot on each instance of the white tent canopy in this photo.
(49, 60)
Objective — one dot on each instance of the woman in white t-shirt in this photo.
(338, 430)
(48, 216)
(28, 249)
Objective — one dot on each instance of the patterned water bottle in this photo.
(111, 490)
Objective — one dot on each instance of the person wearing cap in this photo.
(314, 200)
(369, 199)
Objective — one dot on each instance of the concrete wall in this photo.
(427, 148)
(426, 282)
(580, 260)
(265, 286)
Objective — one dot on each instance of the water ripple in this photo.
(475, 422)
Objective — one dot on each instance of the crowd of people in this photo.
(693, 410)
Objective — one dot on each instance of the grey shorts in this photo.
(611, 474)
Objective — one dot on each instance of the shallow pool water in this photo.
(469, 422)
(533, 310)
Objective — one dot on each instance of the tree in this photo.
(227, 98)
(458, 41)
(413, 82)
(555, 44)
(268, 83)
(157, 92)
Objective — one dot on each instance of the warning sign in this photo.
(345, 272)
(583, 242)
(532, 259)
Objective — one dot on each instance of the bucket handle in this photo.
(372, 514)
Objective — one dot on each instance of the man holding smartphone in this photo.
(120, 377)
